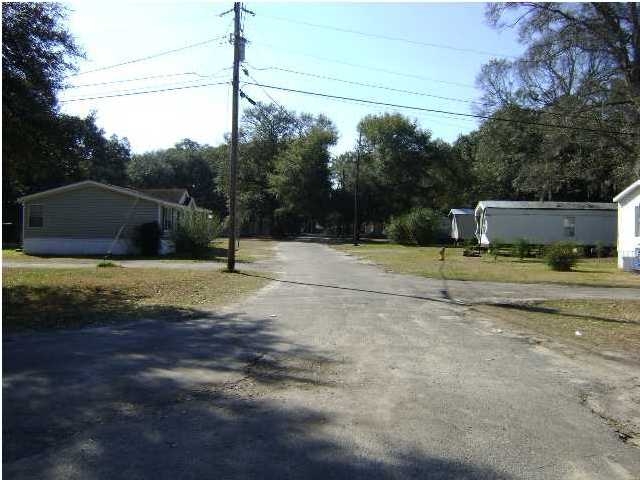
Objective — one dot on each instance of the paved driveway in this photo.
(339, 371)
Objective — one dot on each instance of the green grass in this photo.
(251, 250)
(425, 261)
(60, 298)
(606, 325)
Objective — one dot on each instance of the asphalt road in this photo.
(336, 370)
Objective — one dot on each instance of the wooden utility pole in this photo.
(356, 226)
(233, 158)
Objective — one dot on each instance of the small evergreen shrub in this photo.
(562, 256)
(147, 239)
(521, 248)
(194, 232)
(419, 226)
(601, 250)
(397, 229)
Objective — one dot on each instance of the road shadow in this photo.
(42, 307)
(525, 307)
(444, 299)
(191, 399)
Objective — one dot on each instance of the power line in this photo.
(364, 84)
(126, 94)
(409, 107)
(386, 37)
(149, 57)
(156, 86)
(365, 67)
(151, 77)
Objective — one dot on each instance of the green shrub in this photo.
(195, 231)
(494, 248)
(601, 250)
(419, 226)
(397, 229)
(107, 264)
(521, 248)
(147, 239)
(562, 256)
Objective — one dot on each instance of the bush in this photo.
(397, 229)
(147, 239)
(600, 250)
(495, 247)
(420, 226)
(521, 248)
(195, 231)
(562, 256)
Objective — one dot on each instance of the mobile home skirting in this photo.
(86, 246)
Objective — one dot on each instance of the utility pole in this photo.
(356, 229)
(233, 158)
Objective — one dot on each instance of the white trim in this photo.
(627, 191)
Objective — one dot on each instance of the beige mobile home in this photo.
(542, 223)
(463, 223)
(629, 227)
(92, 218)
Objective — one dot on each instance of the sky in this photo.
(279, 37)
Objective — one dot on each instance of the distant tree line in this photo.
(580, 70)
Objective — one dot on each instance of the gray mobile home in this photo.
(542, 223)
(92, 218)
(463, 223)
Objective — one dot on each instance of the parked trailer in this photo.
(543, 223)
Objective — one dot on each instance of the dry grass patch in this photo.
(54, 298)
(604, 325)
(425, 261)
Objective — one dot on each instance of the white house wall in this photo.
(628, 242)
(547, 226)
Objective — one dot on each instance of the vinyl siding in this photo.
(89, 212)
(547, 226)
(628, 238)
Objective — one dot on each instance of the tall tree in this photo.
(37, 51)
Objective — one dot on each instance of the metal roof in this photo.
(547, 205)
(461, 211)
(113, 188)
(173, 195)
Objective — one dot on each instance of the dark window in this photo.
(637, 220)
(570, 227)
(36, 216)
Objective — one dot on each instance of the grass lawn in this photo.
(606, 325)
(425, 261)
(58, 298)
(251, 250)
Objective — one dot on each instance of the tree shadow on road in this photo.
(199, 398)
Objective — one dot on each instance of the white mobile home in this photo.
(629, 227)
(542, 223)
(92, 218)
(463, 223)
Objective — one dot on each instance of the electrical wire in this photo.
(126, 94)
(364, 84)
(151, 77)
(365, 67)
(459, 114)
(385, 37)
(149, 57)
